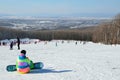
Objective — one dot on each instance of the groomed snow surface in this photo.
(65, 61)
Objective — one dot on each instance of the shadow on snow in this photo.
(48, 71)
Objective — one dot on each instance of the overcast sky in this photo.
(53, 8)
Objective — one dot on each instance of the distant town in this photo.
(37, 23)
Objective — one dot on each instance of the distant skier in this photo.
(56, 44)
(76, 42)
(62, 42)
(18, 43)
(11, 45)
(23, 63)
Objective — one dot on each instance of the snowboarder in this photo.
(18, 43)
(23, 63)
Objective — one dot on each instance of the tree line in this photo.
(108, 33)
(84, 34)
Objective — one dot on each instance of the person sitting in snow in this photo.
(23, 63)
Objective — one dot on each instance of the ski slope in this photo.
(65, 61)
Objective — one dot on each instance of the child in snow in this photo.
(23, 64)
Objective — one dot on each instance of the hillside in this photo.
(66, 61)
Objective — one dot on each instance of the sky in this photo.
(56, 8)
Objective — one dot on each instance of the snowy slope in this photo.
(66, 61)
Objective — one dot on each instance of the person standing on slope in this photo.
(18, 43)
(23, 63)
(11, 45)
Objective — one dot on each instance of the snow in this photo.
(65, 61)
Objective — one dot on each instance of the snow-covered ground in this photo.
(66, 61)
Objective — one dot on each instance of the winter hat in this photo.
(23, 51)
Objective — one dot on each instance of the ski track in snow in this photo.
(67, 61)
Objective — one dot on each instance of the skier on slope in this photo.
(11, 45)
(18, 43)
(23, 63)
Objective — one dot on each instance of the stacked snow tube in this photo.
(23, 64)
